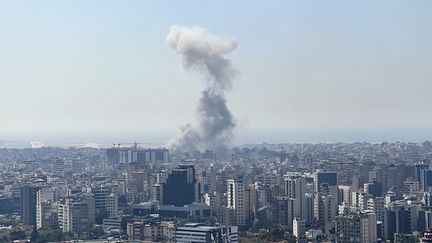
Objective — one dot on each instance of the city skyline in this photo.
(223, 121)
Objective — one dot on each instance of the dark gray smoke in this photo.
(203, 52)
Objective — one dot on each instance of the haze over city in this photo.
(215, 121)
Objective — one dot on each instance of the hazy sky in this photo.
(309, 65)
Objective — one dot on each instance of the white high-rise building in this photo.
(345, 194)
(356, 227)
(111, 204)
(326, 198)
(76, 214)
(105, 198)
(238, 199)
(411, 187)
(299, 229)
(377, 206)
(363, 200)
(46, 211)
(214, 200)
(326, 209)
(295, 189)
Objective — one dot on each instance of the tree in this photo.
(5, 239)
(50, 235)
(122, 201)
(255, 225)
(101, 214)
(291, 238)
(137, 200)
(96, 232)
(275, 234)
(34, 234)
(123, 223)
(17, 234)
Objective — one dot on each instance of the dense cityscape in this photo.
(215, 121)
(358, 192)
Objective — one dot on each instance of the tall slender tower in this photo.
(295, 189)
(238, 200)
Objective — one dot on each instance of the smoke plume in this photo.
(203, 52)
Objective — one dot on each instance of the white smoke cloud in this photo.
(36, 144)
(203, 52)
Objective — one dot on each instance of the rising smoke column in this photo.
(203, 52)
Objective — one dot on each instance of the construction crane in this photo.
(135, 144)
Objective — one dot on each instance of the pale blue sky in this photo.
(74, 66)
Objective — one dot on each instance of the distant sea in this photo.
(160, 139)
